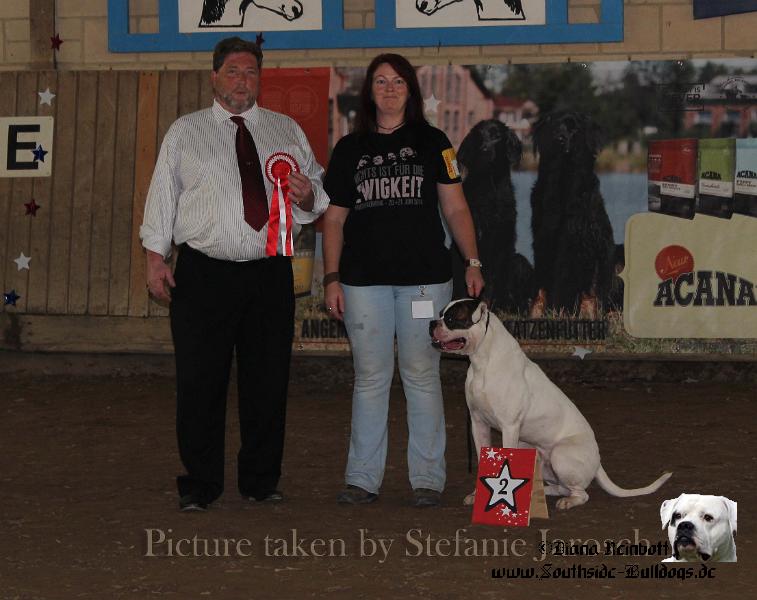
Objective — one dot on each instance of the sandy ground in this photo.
(89, 508)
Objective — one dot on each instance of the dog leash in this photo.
(469, 437)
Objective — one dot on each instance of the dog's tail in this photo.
(604, 481)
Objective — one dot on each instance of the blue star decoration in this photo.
(503, 488)
(10, 298)
(39, 153)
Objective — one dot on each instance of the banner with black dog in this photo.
(555, 160)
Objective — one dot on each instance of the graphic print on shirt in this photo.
(389, 180)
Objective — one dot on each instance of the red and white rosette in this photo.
(277, 168)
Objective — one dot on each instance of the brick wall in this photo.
(654, 29)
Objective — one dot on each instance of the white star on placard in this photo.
(504, 511)
(580, 352)
(46, 97)
(491, 454)
(431, 104)
(503, 488)
(22, 261)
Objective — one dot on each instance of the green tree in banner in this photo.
(553, 87)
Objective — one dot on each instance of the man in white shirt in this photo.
(231, 186)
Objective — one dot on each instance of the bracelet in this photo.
(330, 278)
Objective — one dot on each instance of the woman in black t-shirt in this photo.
(388, 271)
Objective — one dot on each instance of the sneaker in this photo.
(191, 503)
(271, 497)
(426, 498)
(353, 494)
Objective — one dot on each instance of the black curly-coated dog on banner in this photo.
(573, 241)
(485, 157)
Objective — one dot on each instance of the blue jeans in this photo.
(373, 315)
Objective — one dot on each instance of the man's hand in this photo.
(301, 191)
(159, 277)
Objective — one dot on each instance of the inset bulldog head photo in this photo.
(701, 528)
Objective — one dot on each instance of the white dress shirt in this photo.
(195, 195)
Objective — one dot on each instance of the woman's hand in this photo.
(474, 281)
(333, 296)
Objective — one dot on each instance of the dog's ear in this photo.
(481, 309)
(666, 511)
(538, 134)
(593, 136)
(731, 507)
(514, 148)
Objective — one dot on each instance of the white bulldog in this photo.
(700, 528)
(505, 390)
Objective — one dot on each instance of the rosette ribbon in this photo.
(277, 169)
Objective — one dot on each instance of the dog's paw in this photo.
(469, 499)
(568, 502)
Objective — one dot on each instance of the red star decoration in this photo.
(55, 42)
(31, 208)
(259, 39)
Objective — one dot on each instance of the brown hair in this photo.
(366, 116)
(235, 44)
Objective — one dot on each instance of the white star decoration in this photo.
(22, 261)
(46, 97)
(503, 488)
(491, 454)
(580, 352)
(431, 104)
(504, 511)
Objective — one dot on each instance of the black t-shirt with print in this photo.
(393, 234)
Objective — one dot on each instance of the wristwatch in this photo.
(473, 262)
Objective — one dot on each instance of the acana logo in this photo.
(746, 174)
(711, 175)
(706, 288)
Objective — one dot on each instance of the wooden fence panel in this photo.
(21, 191)
(81, 222)
(189, 92)
(147, 123)
(40, 224)
(7, 109)
(62, 199)
(123, 193)
(102, 196)
(167, 113)
(87, 260)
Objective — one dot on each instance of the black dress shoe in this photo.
(426, 498)
(353, 494)
(271, 497)
(191, 503)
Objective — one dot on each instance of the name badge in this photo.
(422, 307)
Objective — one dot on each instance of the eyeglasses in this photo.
(382, 82)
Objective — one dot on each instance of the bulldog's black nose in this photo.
(431, 327)
(685, 527)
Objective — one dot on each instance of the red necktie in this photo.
(253, 189)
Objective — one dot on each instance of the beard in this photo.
(239, 104)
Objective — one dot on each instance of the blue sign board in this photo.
(396, 24)
(718, 8)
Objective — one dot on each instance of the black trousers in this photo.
(219, 308)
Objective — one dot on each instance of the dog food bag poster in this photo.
(745, 201)
(503, 487)
(672, 175)
(690, 279)
(717, 158)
